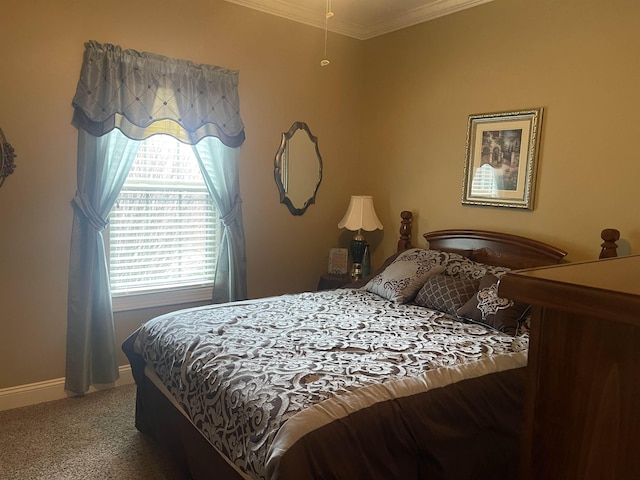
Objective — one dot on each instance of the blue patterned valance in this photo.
(132, 91)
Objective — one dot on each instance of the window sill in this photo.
(122, 303)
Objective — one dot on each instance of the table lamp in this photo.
(360, 216)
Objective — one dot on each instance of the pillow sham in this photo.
(403, 277)
(459, 266)
(446, 293)
(487, 308)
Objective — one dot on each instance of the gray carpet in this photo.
(88, 437)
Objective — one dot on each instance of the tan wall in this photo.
(576, 58)
(281, 81)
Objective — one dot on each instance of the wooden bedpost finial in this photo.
(609, 246)
(405, 230)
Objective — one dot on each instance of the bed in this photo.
(415, 372)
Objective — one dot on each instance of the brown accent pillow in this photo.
(446, 293)
(487, 308)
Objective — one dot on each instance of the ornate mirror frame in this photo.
(282, 169)
(7, 156)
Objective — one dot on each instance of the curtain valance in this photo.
(129, 90)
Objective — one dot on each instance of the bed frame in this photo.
(159, 418)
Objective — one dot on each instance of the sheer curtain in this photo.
(103, 165)
(123, 97)
(220, 168)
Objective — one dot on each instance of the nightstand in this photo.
(329, 281)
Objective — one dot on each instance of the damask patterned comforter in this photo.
(319, 384)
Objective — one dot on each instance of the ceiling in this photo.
(361, 19)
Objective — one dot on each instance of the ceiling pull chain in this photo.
(325, 61)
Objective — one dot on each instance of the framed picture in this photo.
(502, 158)
(338, 261)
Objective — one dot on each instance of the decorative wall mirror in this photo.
(298, 168)
(7, 154)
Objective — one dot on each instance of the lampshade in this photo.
(360, 215)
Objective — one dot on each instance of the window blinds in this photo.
(164, 229)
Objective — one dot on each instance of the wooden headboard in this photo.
(491, 248)
(494, 248)
(609, 246)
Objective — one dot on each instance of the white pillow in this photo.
(402, 279)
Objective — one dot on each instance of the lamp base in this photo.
(356, 271)
(357, 247)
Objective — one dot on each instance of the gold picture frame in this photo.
(501, 159)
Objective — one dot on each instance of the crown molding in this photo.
(418, 15)
(361, 31)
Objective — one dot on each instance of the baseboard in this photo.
(33, 393)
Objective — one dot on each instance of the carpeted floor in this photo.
(88, 437)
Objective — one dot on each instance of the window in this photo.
(164, 229)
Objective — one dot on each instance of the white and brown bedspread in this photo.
(301, 373)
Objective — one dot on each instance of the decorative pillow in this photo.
(400, 281)
(459, 266)
(446, 293)
(488, 308)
